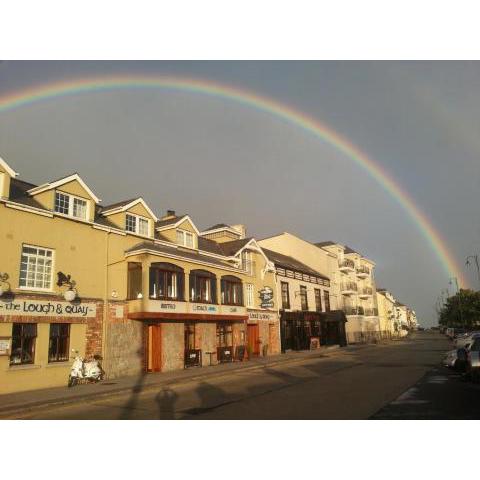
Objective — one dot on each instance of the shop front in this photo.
(39, 335)
(263, 333)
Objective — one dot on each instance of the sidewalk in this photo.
(23, 401)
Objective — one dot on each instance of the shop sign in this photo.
(266, 297)
(269, 317)
(203, 308)
(166, 306)
(5, 345)
(41, 308)
(233, 310)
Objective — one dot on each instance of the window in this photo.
(36, 268)
(303, 297)
(285, 296)
(134, 280)
(231, 291)
(166, 281)
(137, 224)
(70, 205)
(247, 263)
(23, 343)
(203, 287)
(59, 341)
(2, 185)
(224, 334)
(185, 239)
(250, 301)
(326, 297)
(318, 300)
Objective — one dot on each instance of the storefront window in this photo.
(59, 341)
(318, 300)
(203, 286)
(224, 335)
(23, 343)
(285, 296)
(303, 297)
(232, 291)
(166, 281)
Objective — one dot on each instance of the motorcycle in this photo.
(85, 371)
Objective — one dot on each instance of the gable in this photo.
(75, 188)
(139, 209)
(187, 225)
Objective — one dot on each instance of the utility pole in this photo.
(459, 299)
(475, 258)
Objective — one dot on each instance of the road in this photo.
(366, 382)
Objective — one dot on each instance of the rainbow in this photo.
(280, 110)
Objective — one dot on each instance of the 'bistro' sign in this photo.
(41, 308)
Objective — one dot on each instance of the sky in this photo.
(221, 161)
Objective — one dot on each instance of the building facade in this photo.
(145, 293)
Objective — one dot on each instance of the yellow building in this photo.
(147, 294)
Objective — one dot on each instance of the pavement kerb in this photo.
(8, 411)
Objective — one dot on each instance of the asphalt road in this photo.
(352, 384)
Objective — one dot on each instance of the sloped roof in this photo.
(350, 250)
(186, 254)
(232, 247)
(218, 225)
(325, 244)
(291, 263)
(170, 221)
(112, 206)
(210, 246)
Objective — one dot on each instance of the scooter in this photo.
(84, 371)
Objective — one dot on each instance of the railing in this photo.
(367, 291)
(352, 310)
(348, 287)
(347, 264)
(371, 312)
(363, 270)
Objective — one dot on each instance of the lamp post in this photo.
(475, 259)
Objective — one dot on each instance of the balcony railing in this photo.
(366, 292)
(353, 310)
(363, 271)
(347, 265)
(348, 288)
(371, 312)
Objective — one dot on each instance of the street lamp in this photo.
(475, 258)
(450, 282)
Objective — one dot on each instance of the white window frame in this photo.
(137, 224)
(184, 234)
(71, 200)
(249, 295)
(37, 289)
(2, 185)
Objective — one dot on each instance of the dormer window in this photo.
(137, 224)
(70, 205)
(185, 239)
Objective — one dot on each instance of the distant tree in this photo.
(462, 309)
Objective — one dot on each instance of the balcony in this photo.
(366, 292)
(353, 310)
(363, 271)
(371, 312)
(346, 266)
(348, 288)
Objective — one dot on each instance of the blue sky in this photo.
(223, 162)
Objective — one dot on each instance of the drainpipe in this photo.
(105, 298)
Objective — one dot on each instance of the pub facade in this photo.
(147, 294)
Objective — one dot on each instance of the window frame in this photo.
(167, 270)
(285, 306)
(185, 234)
(137, 224)
(36, 289)
(22, 339)
(224, 330)
(318, 299)
(64, 357)
(71, 205)
(326, 299)
(303, 288)
(231, 287)
(206, 278)
(250, 295)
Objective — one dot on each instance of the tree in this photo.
(461, 310)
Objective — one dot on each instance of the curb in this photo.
(7, 411)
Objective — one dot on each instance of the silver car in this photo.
(473, 359)
(462, 341)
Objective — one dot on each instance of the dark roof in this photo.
(118, 204)
(19, 188)
(186, 254)
(232, 247)
(169, 221)
(291, 263)
(210, 246)
(100, 220)
(218, 225)
(350, 250)
(325, 244)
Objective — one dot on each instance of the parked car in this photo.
(473, 359)
(456, 359)
(465, 339)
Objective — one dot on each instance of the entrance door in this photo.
(254, 339)
(154, 348)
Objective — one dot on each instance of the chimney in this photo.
(170, 214)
